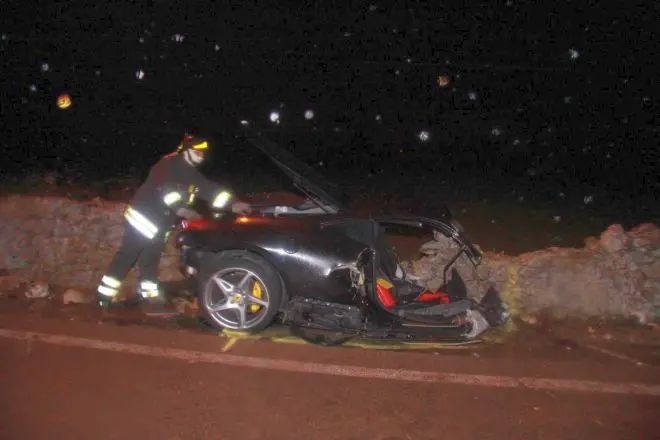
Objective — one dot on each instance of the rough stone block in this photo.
(71, 242)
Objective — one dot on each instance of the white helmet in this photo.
(193, 149)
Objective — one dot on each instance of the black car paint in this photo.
(305, 250)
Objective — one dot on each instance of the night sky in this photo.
(548, 97)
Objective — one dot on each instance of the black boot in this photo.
(106, 302)
(135, 300)
(158, 306)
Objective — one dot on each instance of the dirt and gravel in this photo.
(52, 389)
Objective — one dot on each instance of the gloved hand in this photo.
(240, 208)
(188, 214)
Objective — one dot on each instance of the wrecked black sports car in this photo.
(319, 266)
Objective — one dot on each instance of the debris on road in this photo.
(72, 296)
(38, 290)
(529, 319)
(185, 306)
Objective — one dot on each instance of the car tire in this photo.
(241, 260)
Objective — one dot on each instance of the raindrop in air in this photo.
(216, 47)
(495, 131)
(139, 74)
(573, 54)
(309, 114)
(472, 96)
(45, 67)
(423, 136)
(33, 88)
(178, 38)
(275, 117)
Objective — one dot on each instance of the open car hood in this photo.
(304, 177)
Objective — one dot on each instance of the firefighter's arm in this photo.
(177, 198)
(188, 214)
(219, 197)
(170, 192)
(174, 197)
(178, 201)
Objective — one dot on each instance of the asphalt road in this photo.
(83, 380)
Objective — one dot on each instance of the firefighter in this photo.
(162, 200)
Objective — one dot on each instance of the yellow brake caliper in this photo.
(257, 293)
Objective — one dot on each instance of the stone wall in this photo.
(70, 243)
(614, 275)
(64, 241)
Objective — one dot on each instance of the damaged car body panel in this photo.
(306, 254)
(319, 265)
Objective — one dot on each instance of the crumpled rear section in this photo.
(435, 255)
(615, 275)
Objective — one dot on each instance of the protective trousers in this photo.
(135, 247)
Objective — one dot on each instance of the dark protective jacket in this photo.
(172, 183)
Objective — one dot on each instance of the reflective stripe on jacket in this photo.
(172, 183)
